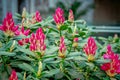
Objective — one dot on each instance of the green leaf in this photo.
(51, 50)
(1, 35)
(18, 16)
(7, 45)
(20, 76)
(69, 58)
(63, 27)
(54, 29)
(26, 67)
(70, 30)
(102, 38)
(81, 33)
(48, 60)
(51, 72)
(73, 73)
(59, 75)
(80, 21)
(91, 65)
(101, 61)
(7, 53)
(80, 58)
(35, 26)
(51, 61)
(74, 54)
(26, 58)
(19, 37)
(49, 56)
(26, 51)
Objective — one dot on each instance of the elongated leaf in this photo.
(7, 45)
(51, 72)
(53, 29)
(80, 58)
(7, 53)
(36, 25)
(26, 67)
(49, 56)
(100, 61)
(82, 33)
(79, 21)
(19, 37)
(91, 65)
(51, 50)
(74, 54)
(102, 38)
(52, 62)
(26, 51)
(48, 60)
(26, 58)
(69, 58)
(64, 27)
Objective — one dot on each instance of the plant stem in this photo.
(62, 65)
(70, 48)
(4, 62)
(60, 33)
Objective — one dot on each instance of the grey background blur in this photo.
(95, 12)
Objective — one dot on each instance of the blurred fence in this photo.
(107, 29)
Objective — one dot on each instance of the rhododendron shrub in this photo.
(53, 48)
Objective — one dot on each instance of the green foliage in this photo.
(75, 65)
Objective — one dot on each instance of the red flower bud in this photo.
(59, 17)
(13, 75)
(8, 26)
(62, 48)
(71, 16)
(113, 67)
(37, 43)
(24, 33)
(90, 48)
(37, 17)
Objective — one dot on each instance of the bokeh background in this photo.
(101, 13)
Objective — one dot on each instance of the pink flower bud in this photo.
(37, 41)
(90, 48)
(23, 32)
(20, 42)
(75, 39)
(33, 47)
(75, 42)
(59, 17)
(37, 17)
(62, 48)
(71, 16)
(23, 41)
(113, 67)
(13, 75)
(8, 26)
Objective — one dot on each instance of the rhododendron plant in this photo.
(40, 49)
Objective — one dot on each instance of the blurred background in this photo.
(104, 15)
